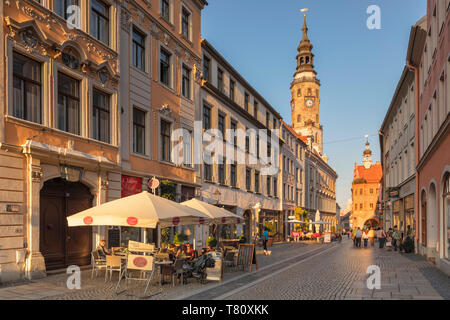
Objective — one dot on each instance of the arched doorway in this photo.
(247, 225)
(432, 218)
(423, 207)
(60, 245)
(372, 223)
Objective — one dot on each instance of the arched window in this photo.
(307, 60)
(301, 61)
(299, 92)
(299, 118)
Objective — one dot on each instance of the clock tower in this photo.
(305, 100)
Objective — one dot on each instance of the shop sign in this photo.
(394, 192)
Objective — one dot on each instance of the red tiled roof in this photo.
(304, 139)
(371, 175)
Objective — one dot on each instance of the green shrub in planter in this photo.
(242, 239)
(211, 241)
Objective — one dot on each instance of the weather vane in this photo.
(304, 10)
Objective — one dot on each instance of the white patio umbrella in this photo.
(296, 221)
(217, 214)
(142, 210)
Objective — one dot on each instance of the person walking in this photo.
(372, 237)
(395, 238)
(381, 235)
(265, 239)
(354, 237)
(365, 237)
(358, 235)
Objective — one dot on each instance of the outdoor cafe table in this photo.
(161, 264)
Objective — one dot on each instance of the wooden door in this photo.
(60, 245)
(52, 231)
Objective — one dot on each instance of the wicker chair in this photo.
(113, 263)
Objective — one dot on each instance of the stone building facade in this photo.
(432, 67)
(70, 136)
(238, 182)
(293, 170)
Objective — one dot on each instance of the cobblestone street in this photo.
(293, 271)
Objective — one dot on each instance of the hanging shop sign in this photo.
(394, 192)
(130, 186)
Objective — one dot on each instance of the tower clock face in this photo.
(309, 103)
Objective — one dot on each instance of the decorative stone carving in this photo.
(155, 31)
(198, 73)
(166, 39)
(103, 76)
(29, 38)
(36, 176)
(178, 50)
(125, 19)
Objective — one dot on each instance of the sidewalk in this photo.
(54, 287)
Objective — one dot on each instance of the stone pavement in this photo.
(293, 271)
(54, 287)
(341, 274)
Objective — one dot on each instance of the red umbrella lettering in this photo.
(176, 221)
(132, 221)
(224, 220)
(201, 220)
(88, 220)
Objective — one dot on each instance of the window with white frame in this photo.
(186, 82)
(60, 7)
(100, 21)
(164, 67)
(165, 134)
(139, 131)
(101, 116)
(165, 9)
(138, 49)
(185, 23)
(68, 110)
(26, 88)
(187, 148)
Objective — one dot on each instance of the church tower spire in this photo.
(305, 94)
(367, 155)
(305, 56)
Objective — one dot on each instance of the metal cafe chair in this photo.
(136, 262)
(98, 263)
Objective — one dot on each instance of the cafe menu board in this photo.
(327, 238)
(113, 238)
(247, 256)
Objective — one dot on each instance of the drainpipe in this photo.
(417, 138)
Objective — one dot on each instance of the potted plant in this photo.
(211, 242)
(179, 238)
(242, 239)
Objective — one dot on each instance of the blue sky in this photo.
(358, 68)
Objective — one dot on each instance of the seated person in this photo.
(102, 250)
(189, 252)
